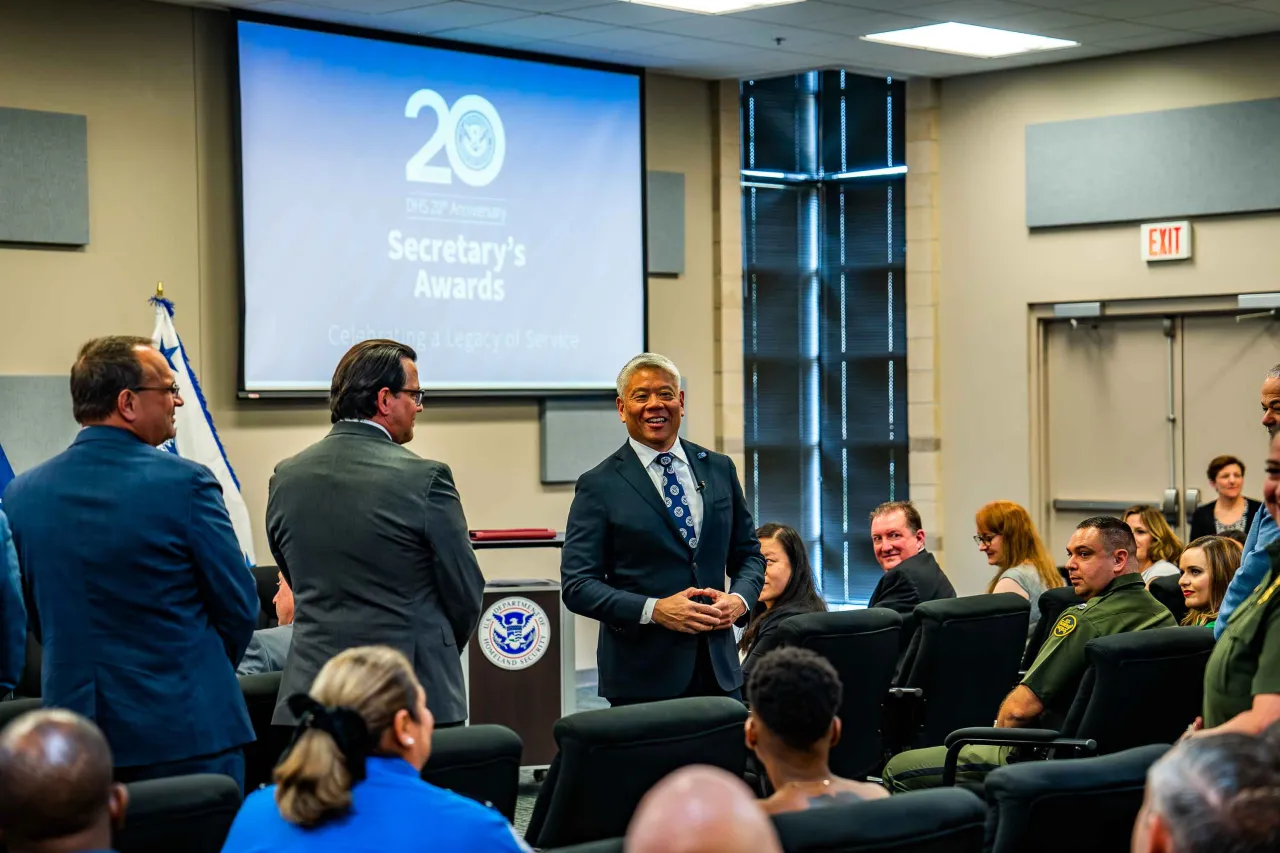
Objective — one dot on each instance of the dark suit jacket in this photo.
(139, 592)
(766, 639)
(621, 548)
(914, 580)
(13, 613)
(373, 541)
(1202, 523)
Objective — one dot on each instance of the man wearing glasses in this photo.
(135, 582)
(372, 538)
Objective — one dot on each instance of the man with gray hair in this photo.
(652, 533)
(1216, 793)
(56, 793)
(1262, 530)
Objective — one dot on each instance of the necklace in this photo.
(826, 783)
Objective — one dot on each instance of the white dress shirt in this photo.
(366, 421)
(684, 475)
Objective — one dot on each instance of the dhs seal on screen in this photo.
(514, 633)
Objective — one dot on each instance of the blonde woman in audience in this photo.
(1208, 565)
(350, 779)
(1008, 537)
(1158, 546)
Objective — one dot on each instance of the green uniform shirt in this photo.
(1125, 605)
(1246, 659)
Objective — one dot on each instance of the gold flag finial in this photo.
(159, 290)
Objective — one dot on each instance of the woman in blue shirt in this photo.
(350, 779)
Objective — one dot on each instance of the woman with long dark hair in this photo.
(788, 591)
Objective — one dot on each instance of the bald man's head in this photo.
(55, 783)
(701, 809)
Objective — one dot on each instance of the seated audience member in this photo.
(1232, 510)
(911, 574)
(788, 590)
(1212, 794)
(794, 696)
(13, 614)
(1102, 572)
(1158, 546)
(1008, 537)
(700, 809)
(269, 648)
(1242, 678)
(1208, 564)
(350, 778)
(1237, 536)
(56, 793)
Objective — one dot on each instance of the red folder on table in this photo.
(512, 533)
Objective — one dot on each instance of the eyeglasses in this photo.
(173, 390)
(415, 393)
(985, 538)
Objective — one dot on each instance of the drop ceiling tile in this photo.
(1127, 10)
(1148, 42)
(478, 35)
(628, 14)
(294, 9)
(1098, 33)
(803, 14)
(1209, 16)
(744, 32)
(970, 11)
(884, 5)
(1042, 22)
(690, 48)
(546, 6)
(1264, 5)
(1242, 28)
(540, 27)
(874, 22)
(364, 7)
(452, 15)
(621, 38)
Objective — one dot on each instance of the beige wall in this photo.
(153, 81)
(992, 267)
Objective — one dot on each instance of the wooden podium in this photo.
(520, 664)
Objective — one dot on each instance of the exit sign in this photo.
(1166, 241)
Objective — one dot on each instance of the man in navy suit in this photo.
(135, 581)
(653, 531)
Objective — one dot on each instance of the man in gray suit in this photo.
(269, 648)
(372, 539)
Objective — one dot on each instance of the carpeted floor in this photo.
(587, 701)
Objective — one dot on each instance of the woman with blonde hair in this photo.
(1208, 565)
(1008, 537)
(350, 778)
(1158, 546)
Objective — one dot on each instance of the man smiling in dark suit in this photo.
(653, 531)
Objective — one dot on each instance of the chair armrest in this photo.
(981, 736)
(903, 711)
(903, 692)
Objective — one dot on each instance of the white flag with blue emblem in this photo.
(196, 438)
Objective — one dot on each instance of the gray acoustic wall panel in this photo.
(44, 178)
(665, 222)
(578, 433)
(35, 419)
(1159, 165)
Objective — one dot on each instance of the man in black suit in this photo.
(372, 538)
(911, 574)
(653, 531)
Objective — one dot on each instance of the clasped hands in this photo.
(680, 612)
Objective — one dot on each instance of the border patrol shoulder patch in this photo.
(1065, 625)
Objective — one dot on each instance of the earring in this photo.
(408, 741)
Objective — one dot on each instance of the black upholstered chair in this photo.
(1167, 592)
(1140, 688)
(862, 645)
(947, 820)
(480, 762)
(1051, 604)
(265, 576)
(188, 813)
(611, 845)
(14, 708)
(963, 660)
(1027, 803)
(261, 756)
(609, 758)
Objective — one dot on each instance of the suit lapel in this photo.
(633, 472)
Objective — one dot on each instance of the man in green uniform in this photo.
(1104, 572)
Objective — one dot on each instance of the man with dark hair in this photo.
(1263, 531)
(137, 587)
(911, 574)
(1211, 794)
(383, 557)
(1104, 572)
(794, 696)
(56, 793)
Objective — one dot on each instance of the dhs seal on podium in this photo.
(514, 633)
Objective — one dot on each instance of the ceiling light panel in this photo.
(969, 40)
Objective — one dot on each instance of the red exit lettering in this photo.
(1164, 241)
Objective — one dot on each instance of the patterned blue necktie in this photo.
(677, 501)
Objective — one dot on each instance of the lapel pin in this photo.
(702, 454)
